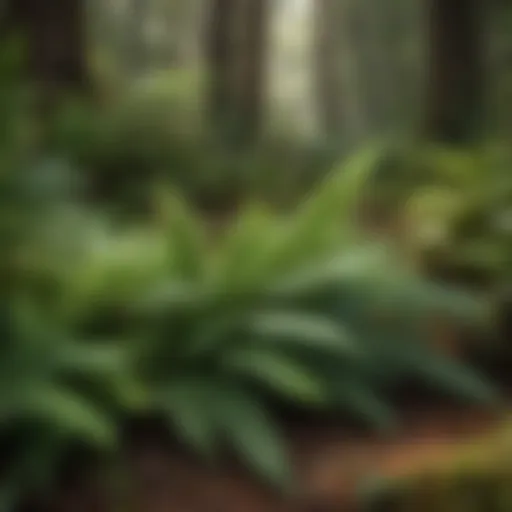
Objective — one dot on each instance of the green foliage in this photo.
(450, 210)
(473, 229)
(45, 392)
(297, 309)
(56, 388)
(152, 132)
(456, 205)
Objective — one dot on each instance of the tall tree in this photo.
(341, 113)
(252, 64)
(327, 56)
(456, 70)
(236, 54)
(55, 35)
(136, 52)
(220, 61)
(182, 21)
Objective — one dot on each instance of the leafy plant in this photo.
(299, 309)
(97, 319)
(456, 206)
(55, 389)
(472, 229)
(57, 385)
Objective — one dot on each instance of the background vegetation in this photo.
(223, 212)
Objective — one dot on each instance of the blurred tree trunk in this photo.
(329, 92)
(136, 50)
(367, 24)
(220, 59)
(341, 112)
(456, 70)
(236, 47)
(56, 43)
(182, 20)
(252, 66)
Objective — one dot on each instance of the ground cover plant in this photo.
(300, 308)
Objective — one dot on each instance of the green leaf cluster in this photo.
(297, 309)
(214, 331)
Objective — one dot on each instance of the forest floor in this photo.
(332, 463)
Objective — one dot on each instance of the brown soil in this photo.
(332, 462)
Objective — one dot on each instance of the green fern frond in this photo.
(248, 428)
(282, 374)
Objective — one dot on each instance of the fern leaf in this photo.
(280, 373)
(248, 427)
(361, 401)
(69, 413)
(309, 330)
(188, 406)
(187, 239)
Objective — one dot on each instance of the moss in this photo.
(477, 480)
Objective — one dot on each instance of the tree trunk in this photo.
(236, 63)
(328, 81)
(341, 111)
(455, 90)
(55, 35)
(220, 61)
(252, 65)
(136, 49)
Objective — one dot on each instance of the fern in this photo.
(249, 429)
(291, 308)
(40, 391)
(298, 308)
